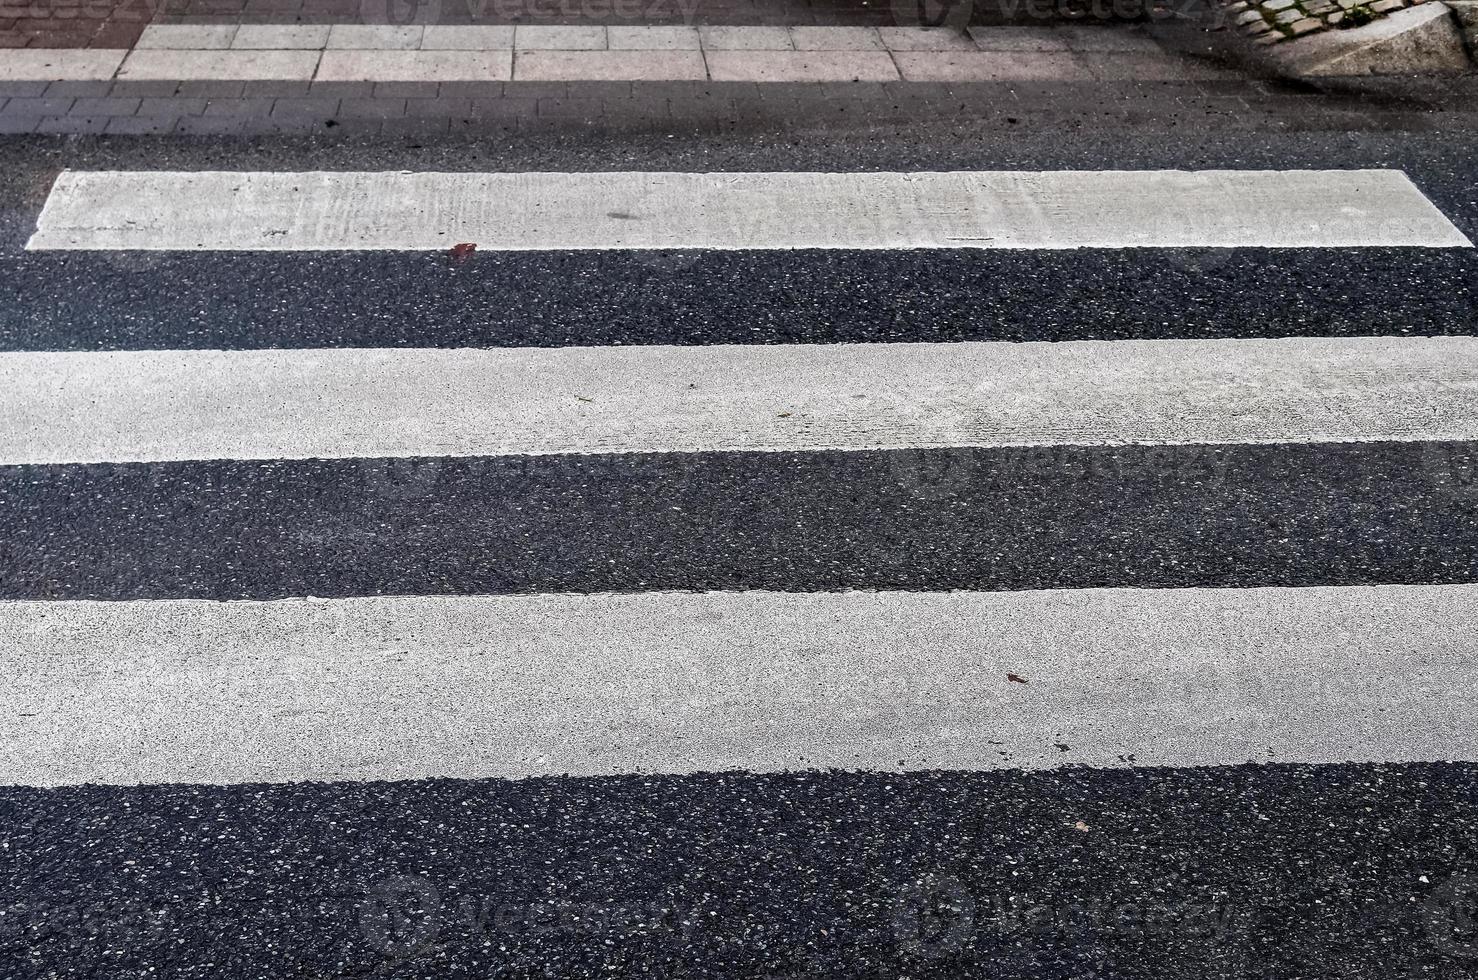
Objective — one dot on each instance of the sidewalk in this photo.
(347, 74)
(118, 23)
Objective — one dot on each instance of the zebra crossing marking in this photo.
(363, 402)
(513, 686)
(284, 211)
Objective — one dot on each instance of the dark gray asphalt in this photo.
(134, 301)
(1253, 872)
(1056, 517)
(1258, 871)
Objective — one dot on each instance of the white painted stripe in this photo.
(398, 688)
(342, 403)
(639, 210)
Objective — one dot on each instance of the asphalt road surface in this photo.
(668, 633)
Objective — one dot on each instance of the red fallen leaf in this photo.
(460, 252)
(1016, 677)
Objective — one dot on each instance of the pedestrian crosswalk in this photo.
(241, 571)
(637, 411)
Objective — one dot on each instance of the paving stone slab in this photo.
(415, 66)
(190, 37)
(475, 37)
(56, 64)
(306, 37)
(374, 37)
(141, 125)
(556, 66)
(836, 39)
(220, 65)
(529, 37)
(801, 66)
(652, 38)
(745, 39)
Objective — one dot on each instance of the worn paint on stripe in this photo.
(395, 688)
(639, 210)
(271, 404)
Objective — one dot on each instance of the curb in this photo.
(1423, 40)
(1466, 13)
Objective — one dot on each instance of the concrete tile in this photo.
(536, 37)
(415, 126)
(239, 107)
(217, 89)
(431, 108)
(74, 124)
(342, 90)
(925, 39)
(652, 38)
(801, 66)
(745, 39)
(186, 37)
(211, 125)
(309, 108)
(301, 37)
(141, 125)
(415, 66)
(221, 65)
(170, 107)
(273, 89)
(835, 39)
(104, 106)
(54, 64)
(470, 37)
(990, 66)
(79, 90)
(1109, 39)
(419, 91)
(469, 90)
(609, 66)
(39, 107)
(146, 90)
(24, 90)
(374, 37)
(1019, 38)
(1113, 66)
(373, 108)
